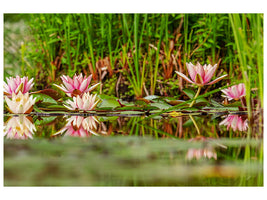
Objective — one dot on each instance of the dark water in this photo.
(132, 150)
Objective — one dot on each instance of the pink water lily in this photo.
(86, 102)
(200, 75)
(235, 92)
(77, 85)
(235, 122)
(14, 85)
(79, 126)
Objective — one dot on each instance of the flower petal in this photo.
(210, 72)
(184, 77)
(217, 79)
(191, 70)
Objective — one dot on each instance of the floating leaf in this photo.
(108, 101)
(175, 102)
(129, 108)
(161, 106)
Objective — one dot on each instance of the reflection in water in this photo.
(197, 153)
(236, 122)
(79, 126)
(20, 127)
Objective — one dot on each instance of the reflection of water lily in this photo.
(235, 122)
(79, 126)
(201, 153)
(14, 85)
(86, 102)
(19, 127)
(76, 86)
(197, 153)
(20, 103)
(235, 92)
(200, 75)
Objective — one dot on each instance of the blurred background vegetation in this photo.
(135, 55)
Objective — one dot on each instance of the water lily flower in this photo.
(14, 85)
(200, 75)
(79, 126)
(20, 103)
(235, 92)
(235, 122)
(86, 102)
(76, 86)
(20, 127)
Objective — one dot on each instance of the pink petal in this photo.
(69, 87)
(84, 85)
(217, 79)
(92, 87)
(191, 70)
(200, 70)
(209, 74)
(76, 83)
(184, 77)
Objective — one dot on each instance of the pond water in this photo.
(132, 150)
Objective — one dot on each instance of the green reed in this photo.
(140, 44)
(247, 29)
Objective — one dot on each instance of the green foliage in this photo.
(145, 49)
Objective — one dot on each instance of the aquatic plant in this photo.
(86, 102)
(201, 75)
(235, 92)
(20, 103)
(235, 122)
(77, 85)
(19, 127)
(14, 85)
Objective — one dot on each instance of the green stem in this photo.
(194, 122)
(198, 91)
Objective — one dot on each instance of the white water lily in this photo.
(86, 102)
(20, 103)
(19, 127)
